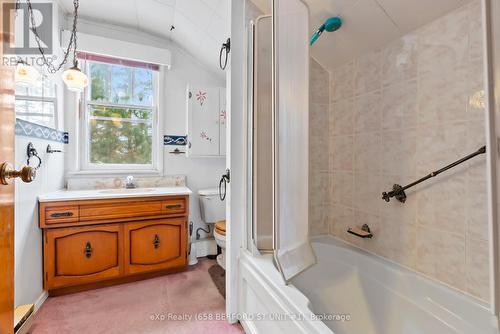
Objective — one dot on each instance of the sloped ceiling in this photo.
(367, 24)
(199, 24)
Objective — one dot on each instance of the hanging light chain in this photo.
(76, 4)
(72, 41)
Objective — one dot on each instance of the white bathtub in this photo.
(364, 293)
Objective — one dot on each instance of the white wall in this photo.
(201, 172)
(28, 236)
(28, 274)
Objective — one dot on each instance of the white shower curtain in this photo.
(293, 252)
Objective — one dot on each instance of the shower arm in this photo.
(399, 191)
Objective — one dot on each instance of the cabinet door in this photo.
(155, 244)
(203, 121)
(77, 255)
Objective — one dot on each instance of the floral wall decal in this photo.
(222, 116)
(205, 136)
(201, 97)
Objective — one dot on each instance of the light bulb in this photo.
(26, 75)
(75, 79)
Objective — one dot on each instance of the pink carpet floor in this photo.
(140, 307)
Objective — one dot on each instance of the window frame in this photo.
(85, 104)
(43, 99)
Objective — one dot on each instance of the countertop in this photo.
(75, 195)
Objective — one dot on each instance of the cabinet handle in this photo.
(156, 241)
(62, 214)
(88, 250)
(174, 206)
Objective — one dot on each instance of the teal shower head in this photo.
(333, 24)
(330, 25)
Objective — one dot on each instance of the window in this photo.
(121, 115)
(37, 104)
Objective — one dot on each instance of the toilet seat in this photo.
(220, 239)
(220, 227)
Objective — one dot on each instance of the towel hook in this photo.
(32, 152)
(51, 150)
(226, 47)
(225, 179)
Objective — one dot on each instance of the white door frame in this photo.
(236, 148)
(491, 38)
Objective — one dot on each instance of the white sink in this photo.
(126, 191)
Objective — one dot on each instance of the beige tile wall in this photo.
(319, 169)
(396, 114)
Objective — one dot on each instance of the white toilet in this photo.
(213, 211)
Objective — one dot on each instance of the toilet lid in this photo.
(220, 227)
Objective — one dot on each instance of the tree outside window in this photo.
(120, 116)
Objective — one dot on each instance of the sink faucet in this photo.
(130, 183)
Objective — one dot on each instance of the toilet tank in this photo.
(212, 209)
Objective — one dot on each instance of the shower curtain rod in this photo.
(399, 191)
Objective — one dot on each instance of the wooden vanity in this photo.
(99, 242)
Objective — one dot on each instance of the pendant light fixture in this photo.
(26, 75)
(74, 78)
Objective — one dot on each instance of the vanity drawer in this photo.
(174, 206)
(117, 210)
(77, 255)
(61, 214)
